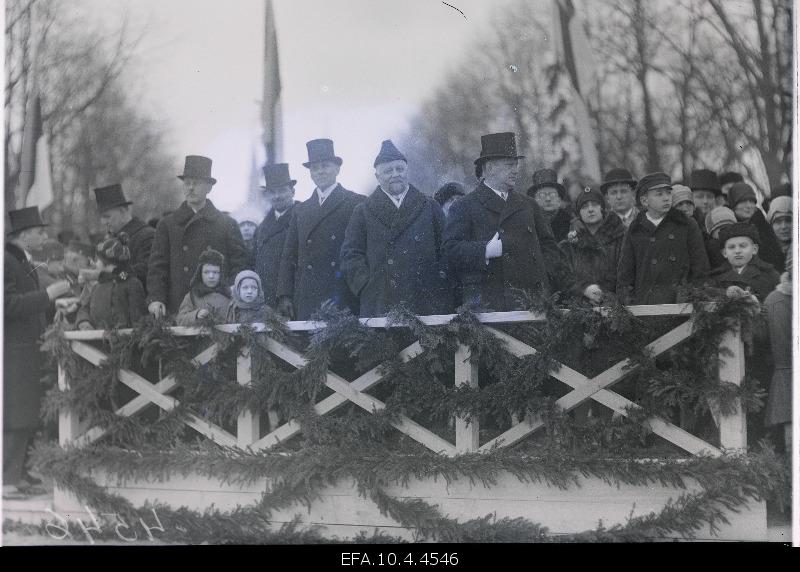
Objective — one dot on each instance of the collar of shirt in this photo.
(628, 216)
(655, 221)
(322, 195)
(197, 210)
(279, 214)
(740, 269)
(28, 256)
(398, 200)
(501, 194)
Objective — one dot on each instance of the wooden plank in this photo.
(366, 402)
(69, 425)
(466, 373)
(733, 428)
(248, 425)
(595, 388)
(165, 402)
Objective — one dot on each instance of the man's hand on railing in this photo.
(157, 309)
(202, 313)
(85, 326)
(67, 305)
(58, 289)
(285, 307)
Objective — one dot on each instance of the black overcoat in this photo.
(311, 269)
(268, 244)
(24, 304)
(140, 243)
(530, 259)
(180, 239)
(593, 259)
(392, 256)
(116, 301)
(656, 260)
(758, 276)
(769, 247)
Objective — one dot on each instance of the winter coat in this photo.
(593, 259)
(769, 247)
(311, 268)
(268, 251)
(656, 260)
(140, 243)
(531, 257)
(24, 307)
(759, 276)
(180, 239)
(560, 224)
(779, 319)
(714, 251)
(392, 256)
(117, 301)
(215, 303)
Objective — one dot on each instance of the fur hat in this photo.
(114, 249)
(779, 206)
(719, 217)
(448, 191)
(738, 229)
(213, 257)
(740, 192)
(730, 177)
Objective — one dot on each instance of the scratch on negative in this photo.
(454, 8)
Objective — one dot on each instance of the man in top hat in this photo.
(726, 181)
(25, 303)
(116, 216)
(498, 239)
(618, 187)
(662, 249)
(271, 233)
(184, 234)
(705, 190)
(550, 195)
(310, 272)
(392, 250)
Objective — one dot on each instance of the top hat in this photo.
(498, 146)
(197, 167)
(110, 197)
(321, 150)
(388, 153)
(546, 178)
(705, 180)
(651, 181)
(277, 175)
(22, 219)
(615, 176)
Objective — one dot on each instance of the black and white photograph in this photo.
(399, 278)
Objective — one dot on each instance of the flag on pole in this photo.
(575, 55)
(35, 181)
(271, 101)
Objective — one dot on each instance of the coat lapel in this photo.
(409, 210)
(382, 208)
(513, 203)
(319, 213)
(490, 199)
(271, 226)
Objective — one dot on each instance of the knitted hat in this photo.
(681, 193)
(247, 274)
(738, 229)
(114, 249)
(589, 194)
(448, 191)
(779, 206)
(740, 192)
(652, 181)
(719, 217)
(389, 153)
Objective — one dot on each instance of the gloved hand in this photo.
(594, 294)
(202, 313)
(68, 305)
(157, 309)
(285, 307)
(58, 289)
(494, 248)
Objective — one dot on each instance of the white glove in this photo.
(157, 309)
(593, 293)
(57, 289)
(494, 248)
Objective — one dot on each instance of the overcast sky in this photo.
(352, 70)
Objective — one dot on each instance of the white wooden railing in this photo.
(732, 428)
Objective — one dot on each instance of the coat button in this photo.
(672, 258)
(652, 239)
(310, 267)
(333, 264)
(671, 236)
(654, 261)
(185, 248)
(308, 241)
(333, 237)
(390, 262)
(392, 283)
(186, 269)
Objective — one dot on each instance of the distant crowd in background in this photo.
(636, 240)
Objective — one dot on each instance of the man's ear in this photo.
(755, 248)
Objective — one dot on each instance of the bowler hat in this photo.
(321, 150)
(730, 177)
(652, 181)
(110, 197)
(705, 180)
(197, 167)
(21, 219)
(546, 178)
(388, 153)
(498, 146)
(617, 176)
(738, 229)
(277, 175)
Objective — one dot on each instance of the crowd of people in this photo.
(636, 240)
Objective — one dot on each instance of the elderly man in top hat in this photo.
(498, 239)
(271, 233)
(392, 250)
(184, 234)
(550, 195)
(618, 188)
(116, 216)
(25, 303)
(310, 271)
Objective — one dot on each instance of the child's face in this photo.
(704, 200)
(248, 290)
(657, 201)
(686, 207)
(745, 210)
(782, 225)
(739, 250)
(211, 275)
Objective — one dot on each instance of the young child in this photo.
(248, 299)
(207, 294)
(662, 249)
(683, 200)
(718, 217)
(743, 269)
(742, 199)
(77, 261)
(117, 301)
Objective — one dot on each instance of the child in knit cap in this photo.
(780, 217)
(207, 294)
(742, 199)
(248, 303)
(683, 200)
(743, 270)
(117, 301)
(715, 220)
